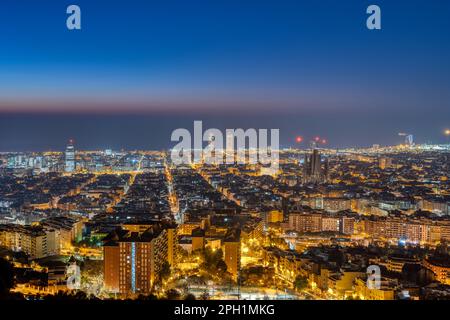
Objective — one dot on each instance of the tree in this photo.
(300, 282)
(212, 258)
(204, 296)
(149, 297)
(213, 262)
(173, 294)
(165, 271)
(189, 296)
(68, 295)
(221, 267)
(6, 277)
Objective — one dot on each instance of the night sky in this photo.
(139, 69)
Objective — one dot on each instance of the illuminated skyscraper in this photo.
(409, 140)
(312, 168)
(70, 157)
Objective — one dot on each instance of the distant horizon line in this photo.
(378, 147)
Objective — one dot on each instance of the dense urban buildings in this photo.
(224, 150)
(138, 225)
(70, 157)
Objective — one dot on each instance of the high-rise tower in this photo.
(70, 157)
(312, 168)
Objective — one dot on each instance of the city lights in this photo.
(220, 221)
(159, 152)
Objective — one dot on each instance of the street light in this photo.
(447, 134)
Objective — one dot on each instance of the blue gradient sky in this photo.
(309, 59)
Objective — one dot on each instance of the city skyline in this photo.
(23, 133)
(224, 150)
(136, 225)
